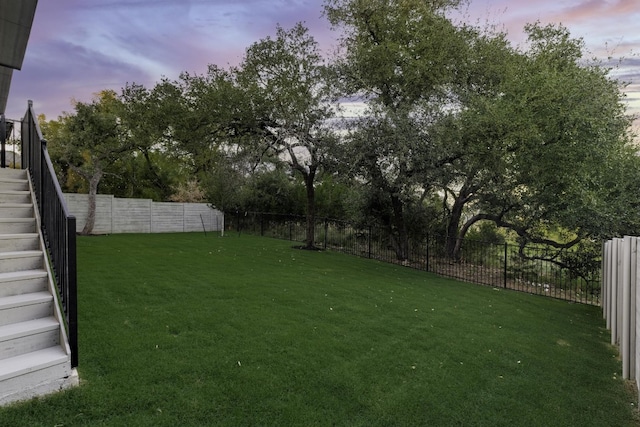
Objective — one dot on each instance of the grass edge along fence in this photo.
(621, 301)
(500, 265)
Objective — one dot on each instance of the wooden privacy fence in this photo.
(621, 300)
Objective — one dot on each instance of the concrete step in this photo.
(10, 184)
(16, 210)
(20, 261)
(17, 225)
(26, 337)
(33, 361)
(19, 242)
(13, 173)
(35, 374)
(9, 196)
(23, 307)
(23, 282)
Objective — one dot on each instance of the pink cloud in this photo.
(599, 10)
(626, 6)
(585, 10)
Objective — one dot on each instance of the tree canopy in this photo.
(460, 127)
(89, 141)
(294, 90)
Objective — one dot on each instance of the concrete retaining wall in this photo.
(115, 215)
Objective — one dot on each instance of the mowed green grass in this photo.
(188, 330)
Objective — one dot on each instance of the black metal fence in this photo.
(58, 226)
(500, 265)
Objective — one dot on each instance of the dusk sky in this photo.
(79, 47)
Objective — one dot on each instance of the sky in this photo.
(80, 47)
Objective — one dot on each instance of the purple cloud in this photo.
(79, 47)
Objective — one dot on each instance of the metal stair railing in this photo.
(58, 225)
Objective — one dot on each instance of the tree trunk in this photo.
(91, 211)
(452, 246)
(311, 211)
(399, 235)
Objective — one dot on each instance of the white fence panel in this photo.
(621, 300)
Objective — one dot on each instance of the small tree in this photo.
(151, 171)
(94, 138)
(189, 192)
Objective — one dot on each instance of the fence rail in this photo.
(499, 265)
(58, 226)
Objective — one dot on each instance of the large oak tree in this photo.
(543, 146)
(401, 58)
(292, 91)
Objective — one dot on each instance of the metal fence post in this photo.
(427, 254)
(73, 289)
(326, 232)
(369, 242)
(261, 225)
(505, 265)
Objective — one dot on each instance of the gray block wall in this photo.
(78, 205)
(167, 217)
(131, 216)
(116, 215)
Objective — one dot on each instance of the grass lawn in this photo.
(188, 330)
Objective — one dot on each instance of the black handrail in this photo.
(58, 225)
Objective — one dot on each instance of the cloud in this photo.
(601, 9)
(52, 83)
(78, 47)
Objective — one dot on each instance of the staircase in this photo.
(34, 350)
